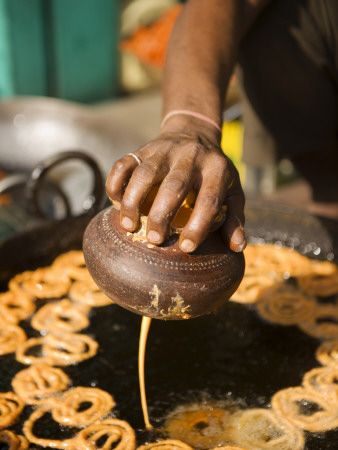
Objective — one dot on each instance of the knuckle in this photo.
(218, 165)
(129, 210)
(220, 159)
(211, 201)
(195, 149)
(156, 221)
(129, 204)
(146, 171)
(159, 218)
(162, 213)
(175, 183)
(111, 191)
(220, 162)
(118, 166)
(149, 147)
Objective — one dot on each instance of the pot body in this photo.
(160, 282)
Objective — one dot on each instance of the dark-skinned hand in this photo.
(180, 162)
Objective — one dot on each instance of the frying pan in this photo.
(231, 355)
(34, 128)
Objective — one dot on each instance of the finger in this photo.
(118, 178)
(143, 178)
(207, 207)
(233, 227)
(172, 192)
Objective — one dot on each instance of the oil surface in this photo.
(231, 356)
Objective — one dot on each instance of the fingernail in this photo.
(239, 247)
(238, 236)
(126, 222)
(238, 239)
(153, 236)
(187, 245)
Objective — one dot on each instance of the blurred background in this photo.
(85, 77)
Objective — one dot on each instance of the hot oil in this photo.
(204, 424)
(231, 357)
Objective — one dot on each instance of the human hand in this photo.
(180, 162)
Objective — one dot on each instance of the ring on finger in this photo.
(137, 158)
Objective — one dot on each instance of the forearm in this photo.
(202, 53)
(186, 155)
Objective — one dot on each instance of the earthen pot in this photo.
(160, 282)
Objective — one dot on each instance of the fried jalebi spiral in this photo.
(67, 409)
(261, 428)
(87, 292)
(321, 281)
(285, 305)
(41, 283)
(15, 307)
(40, 381)
(72, 264)
(69, 348)
(306, 409)
(10, 337)
(13, 441)
(15, 283)
(269, 264)
(323, 324)
(251, 287)
(11, 406)
(116, 434)
(275, 260)
(24, 352)
(23, 443)
(58, 350)
(323, 381)
(68, 444)
(198, 425)
(60, 316)
(327, 353)
(167, 444)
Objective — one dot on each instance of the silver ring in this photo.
(139, 161)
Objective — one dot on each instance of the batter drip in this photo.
(145, 325)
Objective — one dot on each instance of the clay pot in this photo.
(159, 282)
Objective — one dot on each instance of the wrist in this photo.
(190, 113)
(192, 126)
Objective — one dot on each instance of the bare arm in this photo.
(202, 52)
(187, 153)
